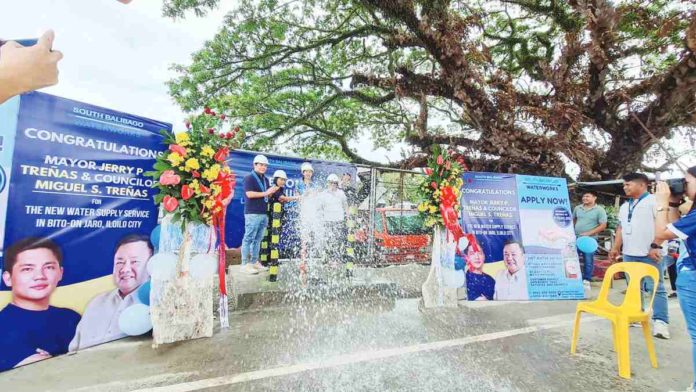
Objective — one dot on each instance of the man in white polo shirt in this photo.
(637, 235)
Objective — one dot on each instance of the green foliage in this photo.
(310, 77)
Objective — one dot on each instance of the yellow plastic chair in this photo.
(630, 311)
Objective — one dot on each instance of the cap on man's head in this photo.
(332, 178)
(306, 166)
(30, 243)
(640, 177)
(261, 159)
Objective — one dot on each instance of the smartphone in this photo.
(26, 42)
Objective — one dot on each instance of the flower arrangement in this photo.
(194, 182)
(441, 188)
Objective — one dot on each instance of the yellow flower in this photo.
(175, 159)
(182, 139)
(208, 203)
(192, 164)
(195, 186)
(432, 209)
(215, 189)
(422, 207)
(207, 151)
(211, 173)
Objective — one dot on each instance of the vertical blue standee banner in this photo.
(73, 182)
(553, 269)
(524, 227)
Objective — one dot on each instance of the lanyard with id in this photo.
(262, 185)
(631, 208)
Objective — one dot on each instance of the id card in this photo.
(627, 228)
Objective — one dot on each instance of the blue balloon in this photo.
(135, 320)
(144, 293)
(155, 237)
(587, 244)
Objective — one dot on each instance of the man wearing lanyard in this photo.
(637, 235)
(256, 193)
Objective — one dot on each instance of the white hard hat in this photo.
(280, 174)
(306, 166)
(261, 159)
(332, 178)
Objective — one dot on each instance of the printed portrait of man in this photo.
(99, 322)
(30, 328)
(511, 283)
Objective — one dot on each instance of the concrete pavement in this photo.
(376, 344)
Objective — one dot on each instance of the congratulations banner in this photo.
(524, 226)
(77, 213)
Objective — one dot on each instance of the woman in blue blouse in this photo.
(683, 228)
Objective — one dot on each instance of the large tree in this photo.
(516, 85)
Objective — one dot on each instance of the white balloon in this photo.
(135, 320)
(162, 265)
(203, 265)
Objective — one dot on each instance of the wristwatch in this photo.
(674, 205)
(655, 246)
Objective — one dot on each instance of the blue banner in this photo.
(79, 215)
(553, 269)
(524, 227)
(242, 164)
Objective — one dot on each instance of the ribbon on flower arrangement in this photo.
(448, 199)
(226, 181)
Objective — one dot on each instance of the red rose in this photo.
(222, 117)
(448, 165)
(195, 174)
(211, 131)
(428, 171)
(186, 192)
(203, 189)
(206, 110)
(440, 160)
(177, 149)
(433, 184)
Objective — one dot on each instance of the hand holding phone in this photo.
(27, 68)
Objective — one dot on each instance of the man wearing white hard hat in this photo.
(333, 210)
(309, 224)
(257, 192)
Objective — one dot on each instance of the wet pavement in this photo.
(376, 344)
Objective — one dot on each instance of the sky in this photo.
(118, 56)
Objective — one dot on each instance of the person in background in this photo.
(30, 328)
(590, 219)
(99, 322)
(669, 226)
(635, 236)
(309, 225)
(24, 69)
(333, 205)
(257, 191)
